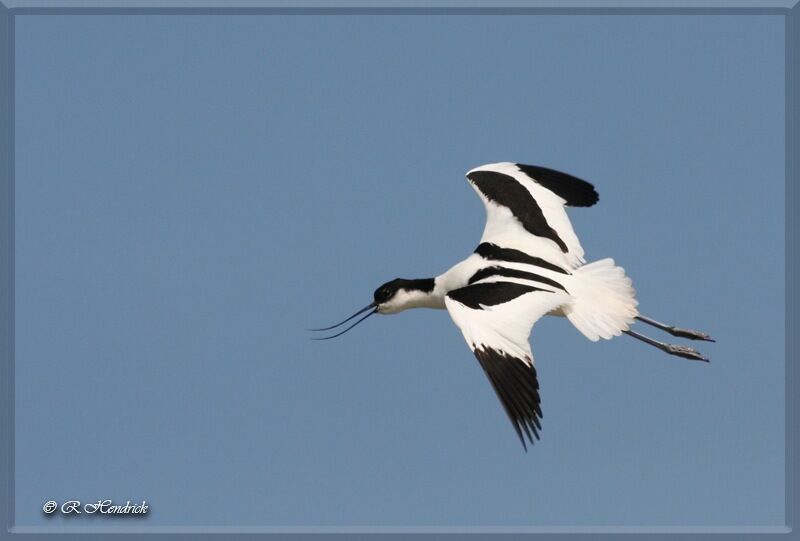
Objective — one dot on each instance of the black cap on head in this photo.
(388, 290)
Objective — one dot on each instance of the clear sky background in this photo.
(192, 192)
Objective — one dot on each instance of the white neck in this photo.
(406, 299)
(454, 278)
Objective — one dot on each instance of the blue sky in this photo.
(193, 192)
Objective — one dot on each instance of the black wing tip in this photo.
(517, 387)
(575, 191)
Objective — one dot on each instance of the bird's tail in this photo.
(604, 302)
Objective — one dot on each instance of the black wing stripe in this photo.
(486, 272)
(493, 252)
(576, 192)
(489, 294)
(505, 190)
(516, 386)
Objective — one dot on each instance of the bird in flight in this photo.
(529, 263)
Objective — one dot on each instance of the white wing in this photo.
(525, 209)
(496, 316)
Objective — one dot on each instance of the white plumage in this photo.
(503, 229)
(529, 263)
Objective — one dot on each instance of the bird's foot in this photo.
(684, 351)
(690, 334)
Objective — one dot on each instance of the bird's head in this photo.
(399, 294)
(393, 297)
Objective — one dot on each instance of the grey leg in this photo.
(673, 349)
(676, 331)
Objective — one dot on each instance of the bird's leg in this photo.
(676, 331)
(673, 349)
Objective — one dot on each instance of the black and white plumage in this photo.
(529, 263)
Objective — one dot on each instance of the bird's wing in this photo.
(525, 209)
(495, 316)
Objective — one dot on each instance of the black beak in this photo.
(371, 306)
